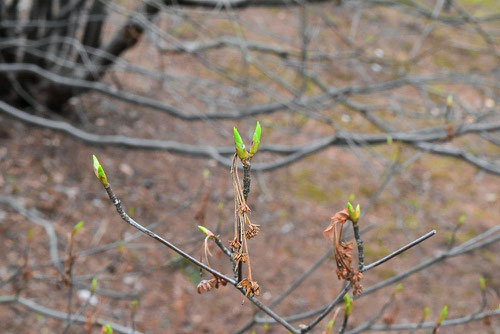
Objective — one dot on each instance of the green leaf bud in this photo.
(426, 312)
(462, 219)
(256, 139)
(135, 303)
(99, 172)
(77, 227)
(106, 329)
(206, 231)
(353, 214)
(31, 233)
(443, 315)
(93, 285)
(238, 144)
(482, 283)
(348, 304)
(449, 100)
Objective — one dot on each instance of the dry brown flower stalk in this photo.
(243, 230)
(343, 251)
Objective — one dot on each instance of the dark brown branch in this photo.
(449, 322)
(51, 313)
(80, 85)
(296, 152)
(200, 264)
(125, 38)
(92, 33)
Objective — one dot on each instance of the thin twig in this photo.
(246, 180)
(153, 235)
(450, 322)
(330, 307)
(51, 313)
(399, 251)
(359, 242)
(344, 324)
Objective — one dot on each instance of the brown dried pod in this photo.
(204, 285)
(240, 257)
(207, 285)
(235, 244)
(252, 231)
(243, 208)
(251, 287)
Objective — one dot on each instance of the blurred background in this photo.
(392, 104)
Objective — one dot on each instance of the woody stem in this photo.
(359, 242)
(246, 179)
(237, 221)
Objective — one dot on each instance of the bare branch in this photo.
(449, 322)
(51, 313)
(296, 152)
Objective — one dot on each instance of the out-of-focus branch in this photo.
(423, 325)
(84, 85)
(51, 313)
(295, 152)
(34, 217)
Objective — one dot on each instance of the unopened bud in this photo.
(426, 312)
(135, 303)
(99, 172)
(449, 100)
(462, 219)
(205, 230)
(31, 233)
(106, 329)
(93, 285)
(238, 144)
(256, 139)
(77, 227)
(482, 283)
(443, 315)
(353, 214)
(348, 304)
(329, 326)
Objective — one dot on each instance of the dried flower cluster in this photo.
(207, 285)
(251, 287)
(243, 227)
(343, 251)
(243, 230)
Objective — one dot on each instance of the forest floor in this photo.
(52, 175)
